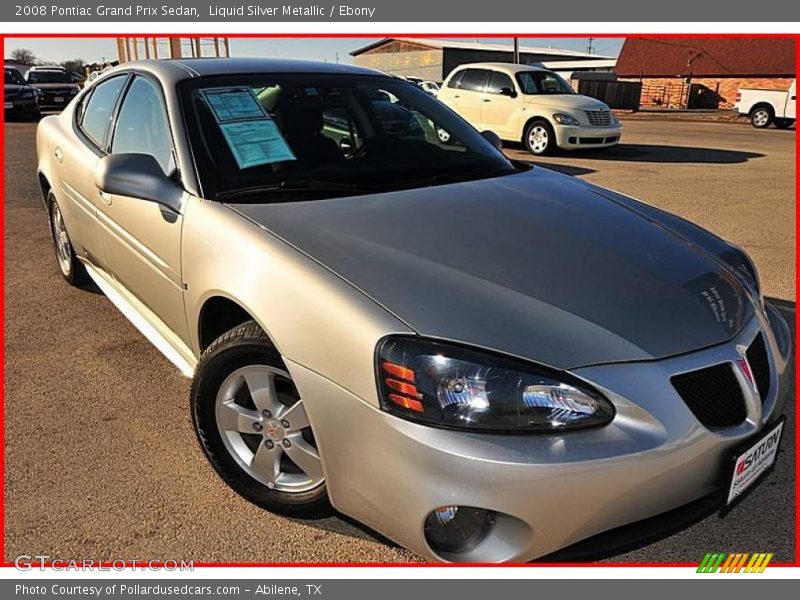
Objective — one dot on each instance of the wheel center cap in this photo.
(273, 430)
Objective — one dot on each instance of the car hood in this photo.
(537, 265)
(567, 101)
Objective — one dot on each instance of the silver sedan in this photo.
(480, 359)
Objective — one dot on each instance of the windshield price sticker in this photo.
(251, 134)
(230, 104)
(256, 142)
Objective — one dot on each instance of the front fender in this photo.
(314, 317)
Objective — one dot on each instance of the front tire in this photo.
(539, 138)
(761, 117)
(253, 427)
(71, 268)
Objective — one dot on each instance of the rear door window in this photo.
(498, 81)
(98, 109)
(474, 80)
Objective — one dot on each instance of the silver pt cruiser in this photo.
(480, 359)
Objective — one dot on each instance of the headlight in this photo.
(614, 118)
(563, 119)
(450, 386)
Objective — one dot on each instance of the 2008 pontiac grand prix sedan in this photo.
(482, 360)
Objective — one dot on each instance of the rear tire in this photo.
(71, 268)
(539, 138)
(761, 117)
(252, 425)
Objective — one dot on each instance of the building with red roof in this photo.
(702, 72)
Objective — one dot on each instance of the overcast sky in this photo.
(96, 49)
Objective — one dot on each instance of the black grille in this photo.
(759, 365)
(713, 395)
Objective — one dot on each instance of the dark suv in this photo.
(56, 84)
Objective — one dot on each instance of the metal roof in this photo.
(188, 68)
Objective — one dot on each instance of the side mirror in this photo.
(137, 176)
(507, 91)
(493, 139)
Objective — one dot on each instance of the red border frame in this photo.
(3, 37)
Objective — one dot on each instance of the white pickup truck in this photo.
(765, 107)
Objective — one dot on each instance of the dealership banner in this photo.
(387, 589)
(204, 11)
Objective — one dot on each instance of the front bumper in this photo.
(578, 137)
(27, 106)
(549, 491)
(52, 100)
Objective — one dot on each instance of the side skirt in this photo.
(148, 324)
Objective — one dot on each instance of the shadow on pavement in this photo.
(655, 153)
(565, 169)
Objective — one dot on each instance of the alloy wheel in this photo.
(538, 139)
(265, 428)
(761, 118)
(61, 239)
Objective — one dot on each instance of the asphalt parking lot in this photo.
(101, 459)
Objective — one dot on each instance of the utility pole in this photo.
(590, 45)
(516, 51)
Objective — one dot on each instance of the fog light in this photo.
(458, 528)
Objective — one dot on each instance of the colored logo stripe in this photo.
(734, 563)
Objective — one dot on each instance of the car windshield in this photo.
(542, 82)
(270, 136)
(49, 77)
(13, 77)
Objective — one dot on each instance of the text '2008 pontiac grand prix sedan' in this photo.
(482, 360)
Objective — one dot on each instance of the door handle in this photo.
(456, 96)
(487, 99)
(58, 154)
(105, 198)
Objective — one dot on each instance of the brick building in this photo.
(434, 59)
(697, 72)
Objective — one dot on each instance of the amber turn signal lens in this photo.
(406, 402)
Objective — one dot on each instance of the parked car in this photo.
(20, 98)
(431, 87)
(767, 107)
(56, 85)
(527, 104)
(91, 77)
(480, 359)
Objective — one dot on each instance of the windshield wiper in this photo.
(301, 185)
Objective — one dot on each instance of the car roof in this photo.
(510, 68)
(171, 71)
